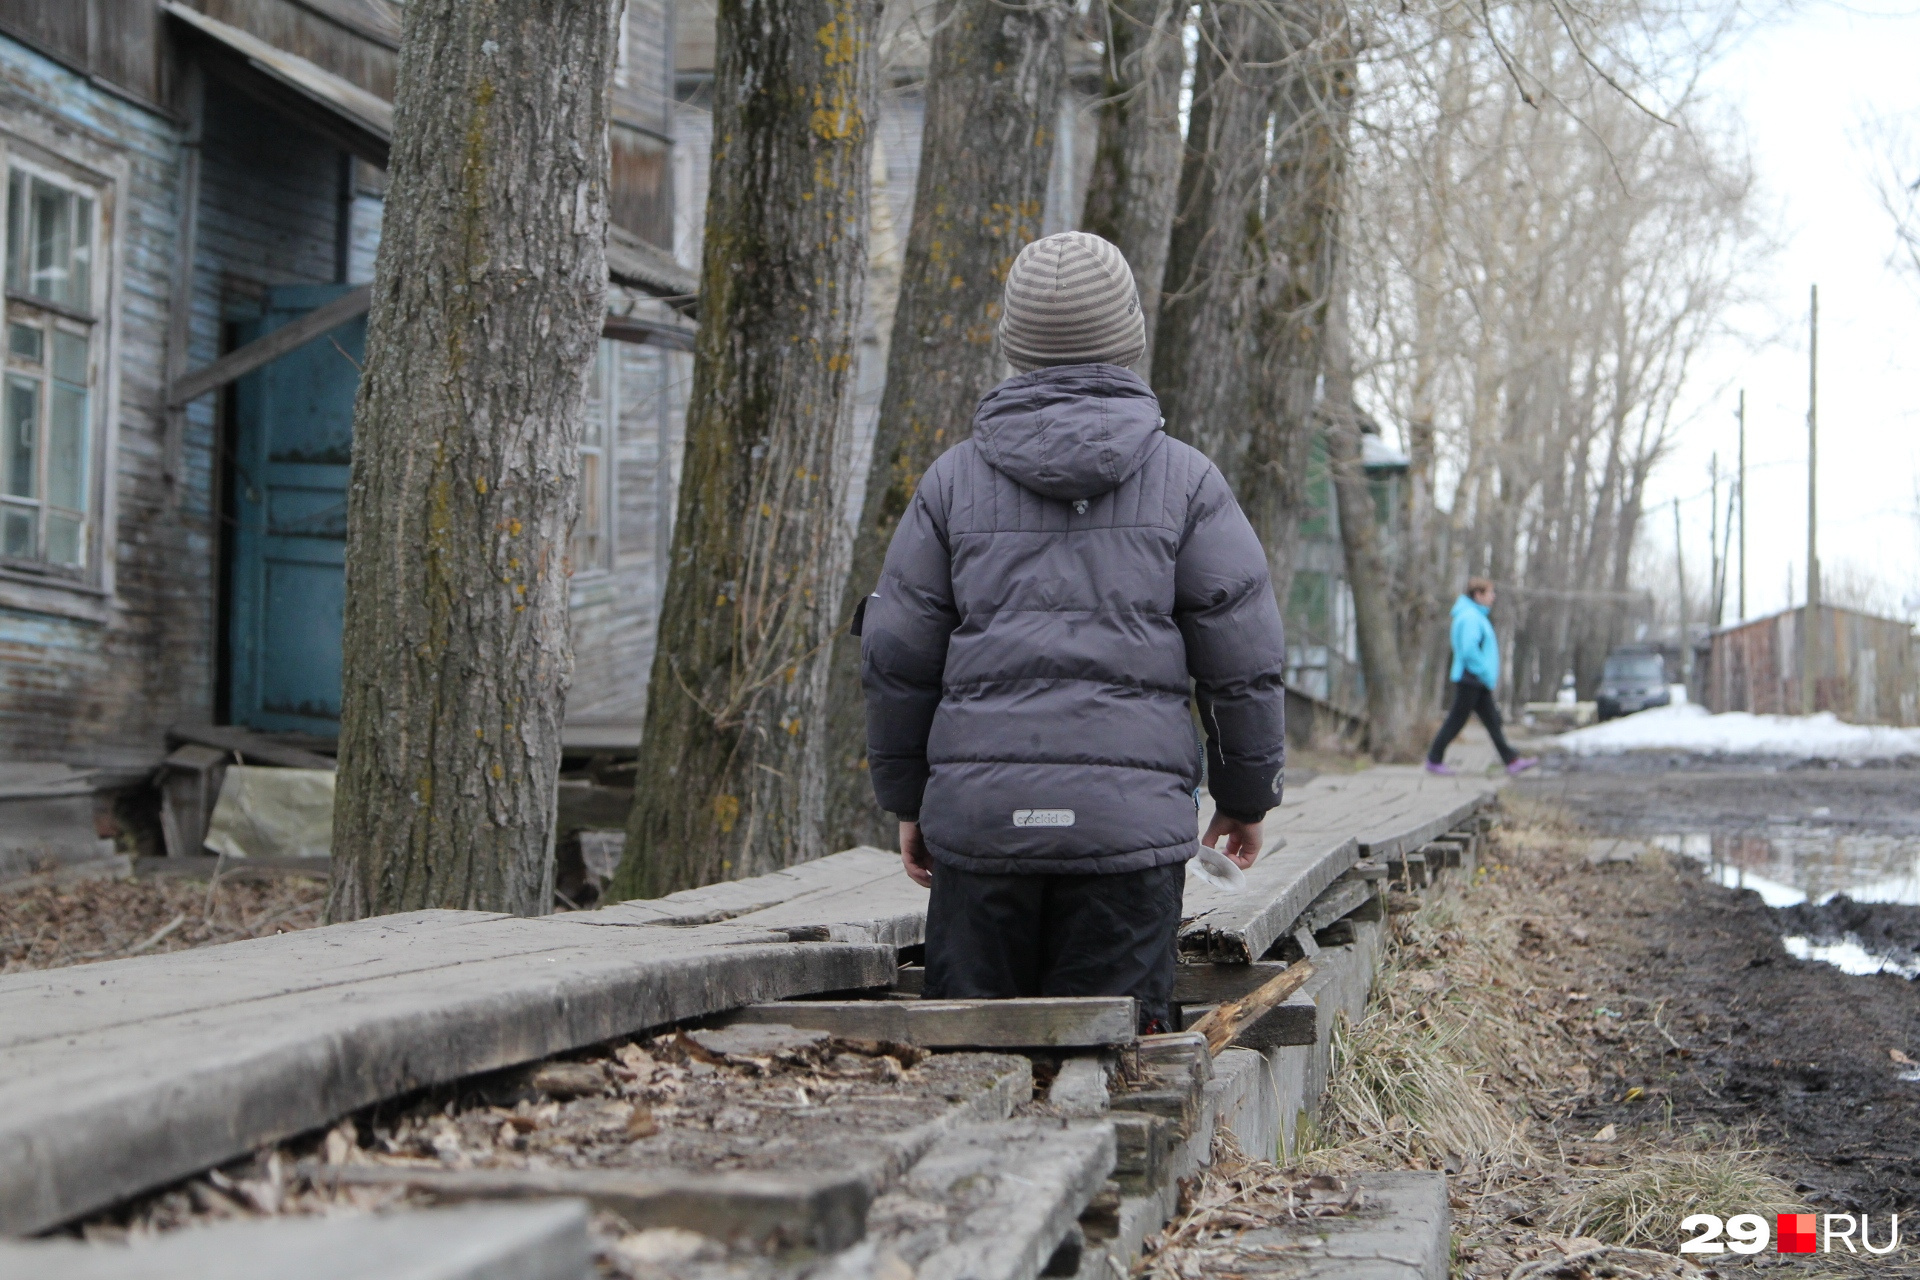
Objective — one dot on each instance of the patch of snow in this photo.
(1692, 728)
(1849, 957)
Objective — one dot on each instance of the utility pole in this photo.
(1680, 570)
(1743, 504)
(1810, 632)
(1714, 567)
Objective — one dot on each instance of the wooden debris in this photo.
(1223, 1024)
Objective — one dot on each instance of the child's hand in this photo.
(1243, 839)
(914, 856)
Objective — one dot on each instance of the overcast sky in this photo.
(1805, 84)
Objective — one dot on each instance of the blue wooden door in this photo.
(293, 442)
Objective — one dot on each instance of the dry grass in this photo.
(1634, 1205)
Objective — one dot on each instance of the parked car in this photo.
(1633, 679)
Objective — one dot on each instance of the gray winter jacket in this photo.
(1054, 585)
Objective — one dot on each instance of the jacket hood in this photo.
(1466, 603)
(1068, 432)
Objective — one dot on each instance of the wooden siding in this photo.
(116, 40)
(1867, 667)
(339, 45)
(73, 688)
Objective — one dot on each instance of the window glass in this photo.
(18, 472)
(49, 241)
(66, 540)
(67, 448)
(23, 343)
(16, 533)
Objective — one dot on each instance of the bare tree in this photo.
(993, 95)
(732, 772)
(1541, 258)
(488, 303)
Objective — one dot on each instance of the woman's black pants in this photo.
(1470, 697)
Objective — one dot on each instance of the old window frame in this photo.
(34, 583)
(590, 548)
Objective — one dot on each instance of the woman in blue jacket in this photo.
(1476, 673)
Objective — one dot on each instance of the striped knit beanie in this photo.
(1071, 300)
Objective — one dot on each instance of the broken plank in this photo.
(1342, 897)
(823, 1212)
(1046, 1022)
(526, 1242)
(1225, 1022)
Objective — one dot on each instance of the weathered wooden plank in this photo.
(850, 871)
(168, 1095)
(253, 748)
(1047, 1022)
(1341, 897)
(823, 1212)
(525, 1242)
(993, 1202)
(1238, 928)
(270, 347)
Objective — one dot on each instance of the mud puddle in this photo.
(1845, 899)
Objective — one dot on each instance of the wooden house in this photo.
(194, 193)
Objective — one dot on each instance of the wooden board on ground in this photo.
(1047, 1022)
(119, 1077)
(822, 1212)
(527, 1242)
(991, 1202)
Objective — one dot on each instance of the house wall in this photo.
(93, 677)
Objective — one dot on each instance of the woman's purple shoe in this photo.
(1521, 765)
(1441, 770)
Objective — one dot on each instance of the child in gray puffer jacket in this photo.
(1061, 588)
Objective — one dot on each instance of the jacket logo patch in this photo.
(1043, 817)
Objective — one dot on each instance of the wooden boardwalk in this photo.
(121, 1077)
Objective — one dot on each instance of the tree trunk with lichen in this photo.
(993, 95)
(731, 778)
(1136, 163)
(488, 301)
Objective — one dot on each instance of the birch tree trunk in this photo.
(731, 777)
(1136, 163)
(993, 95)
(488, 302)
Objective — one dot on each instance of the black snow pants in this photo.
(999, 936)
(1470, 697)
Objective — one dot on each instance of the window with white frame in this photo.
(46, 403)
(592, 547)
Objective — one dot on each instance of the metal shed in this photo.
(1867, 670)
